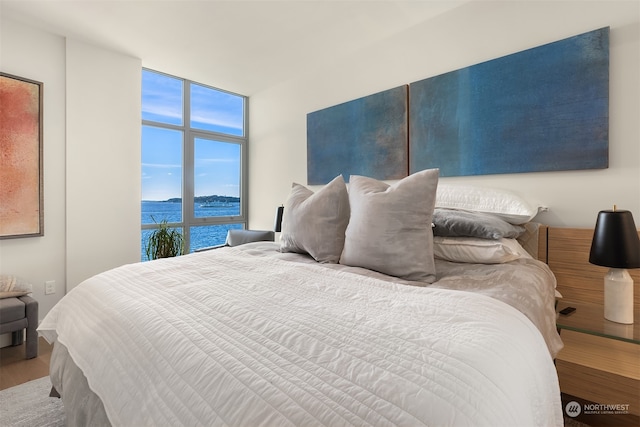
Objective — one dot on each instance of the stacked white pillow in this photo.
(474, 250)
(501, 203)
(484, 227)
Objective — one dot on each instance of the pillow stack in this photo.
(479, 225)
(399, 229)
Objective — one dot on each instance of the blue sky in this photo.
(217, 168)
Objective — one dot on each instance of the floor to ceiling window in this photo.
(193, 159)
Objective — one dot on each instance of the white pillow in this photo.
(477, 251)
(502, 203)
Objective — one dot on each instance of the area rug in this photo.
(570, 422)
(29, 405)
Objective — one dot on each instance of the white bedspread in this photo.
(222, 338)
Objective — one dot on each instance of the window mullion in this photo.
(188, 175)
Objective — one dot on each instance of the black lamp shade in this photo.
(278, 223)
(615, 241)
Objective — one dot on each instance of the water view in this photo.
(201, 236)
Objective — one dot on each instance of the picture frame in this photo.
(366, 136)
(21, 141)
(543, 109)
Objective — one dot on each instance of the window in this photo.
(194, 152)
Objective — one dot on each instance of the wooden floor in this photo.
(16, 370)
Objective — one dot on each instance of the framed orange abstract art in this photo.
(21, 192)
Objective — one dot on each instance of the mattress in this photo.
(249, 336)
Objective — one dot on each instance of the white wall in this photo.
(473, 33)
(91, 160)
(103, 160)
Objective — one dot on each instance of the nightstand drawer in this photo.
(600, 370)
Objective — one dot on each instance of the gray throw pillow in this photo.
(390, 226)
(315, 223)
(455, 223)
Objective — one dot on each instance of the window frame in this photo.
(188, 163)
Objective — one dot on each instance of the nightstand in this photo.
(600, 361)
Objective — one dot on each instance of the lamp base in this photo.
(618, 296)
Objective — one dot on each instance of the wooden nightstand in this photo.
(600, 362)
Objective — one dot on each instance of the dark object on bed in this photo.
(17, 314)
(456, 223)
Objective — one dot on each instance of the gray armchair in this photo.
(17, 314)
(240, 237)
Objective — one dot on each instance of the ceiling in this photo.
(241, 46)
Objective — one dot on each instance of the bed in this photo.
(285, 333)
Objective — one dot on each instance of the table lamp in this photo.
(616, 245)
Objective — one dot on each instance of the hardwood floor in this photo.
(16, 370)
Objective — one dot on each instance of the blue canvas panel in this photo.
(543, 109)
(366, 136)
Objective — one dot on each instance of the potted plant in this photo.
(164, 242)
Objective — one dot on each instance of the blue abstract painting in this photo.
(542, 109)
(367, 136)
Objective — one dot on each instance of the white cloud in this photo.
(161, 165)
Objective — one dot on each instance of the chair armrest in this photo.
(208, 248)
(28, 301)
(31, 310)
(240, 237)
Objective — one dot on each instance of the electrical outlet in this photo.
(50, 287)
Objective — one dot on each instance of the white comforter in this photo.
(223, 338)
